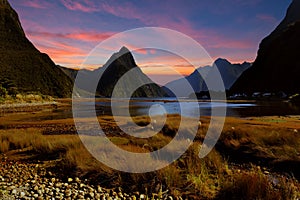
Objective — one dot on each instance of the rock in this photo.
(77, 180)
(58, 185)
(53, 180)
(68, 193)
(99, 189)
(22, 194)
(97, 196)
(36, 188)
(91, 194)
(14, 192)
(40, 192)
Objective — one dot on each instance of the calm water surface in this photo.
(170, 106)
(189, 108)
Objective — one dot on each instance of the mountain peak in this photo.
(124, 50)
(221, 60)
(4, 3)
(121, 58)
(292, 15)
(276, 67)
(116, 67)
(10, 26)
(22, 64)
(221, 63)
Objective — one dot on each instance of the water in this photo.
(190, 108)
(140, 107)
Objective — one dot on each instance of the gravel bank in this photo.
(32, 181)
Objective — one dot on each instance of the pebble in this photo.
(32, 181)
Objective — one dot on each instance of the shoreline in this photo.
(27, 107)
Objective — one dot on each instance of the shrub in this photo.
(3, 92)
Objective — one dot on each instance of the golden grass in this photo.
(190, 176)
(267, 137)
(27, 98)
(254, 184)
(16, 139)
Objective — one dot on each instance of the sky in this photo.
(68, 30)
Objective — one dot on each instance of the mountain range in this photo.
(228, 71)
(277, 66)
(119, 64)
(22, 66)
(25, 69)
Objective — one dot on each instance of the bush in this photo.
(3, 92)
(12, 91)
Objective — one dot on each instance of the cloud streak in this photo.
(267, 18)
(80, 36)
(84, 5)
(37, 4)
(68, 30)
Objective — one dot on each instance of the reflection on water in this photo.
(140, 107)
(189, 108)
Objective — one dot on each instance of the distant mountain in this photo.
(70, 72)
(22, 65)
(229, 73)
(113, 70)
(277, 66)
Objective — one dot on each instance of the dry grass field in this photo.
(255, 158)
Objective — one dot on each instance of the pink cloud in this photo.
(83, 5)
(128, 10)
(56, 49)
(227, 43)
(62, 53)
(35, 4)
(266, 18)
(80, 36)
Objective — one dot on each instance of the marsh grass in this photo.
(33, 97)
(15, 139)
(268, 138)
(254, 184)
(189, 176)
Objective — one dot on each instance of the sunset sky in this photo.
(67, 30)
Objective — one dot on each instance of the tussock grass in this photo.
(254, 184)
(210, 178)
(267, 137)
(17, 139)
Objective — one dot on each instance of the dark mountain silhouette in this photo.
(70, 72)
(277, 66)
(229, 73)
(112, 71)
(22, 65)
